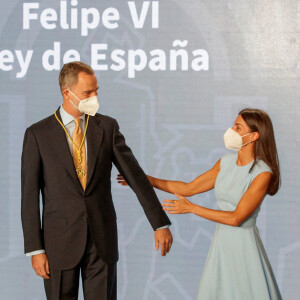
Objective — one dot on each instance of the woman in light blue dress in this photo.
(237, 266)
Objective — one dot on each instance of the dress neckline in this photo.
(235, 161)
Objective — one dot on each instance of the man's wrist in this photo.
(163, 227)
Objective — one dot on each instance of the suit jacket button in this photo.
(84, 218)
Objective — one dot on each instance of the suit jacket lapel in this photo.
(94, 136)
(61, 147)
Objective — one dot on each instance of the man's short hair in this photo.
(68, 75)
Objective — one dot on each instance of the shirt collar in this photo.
(67, 118)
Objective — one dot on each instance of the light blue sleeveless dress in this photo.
(237, 266)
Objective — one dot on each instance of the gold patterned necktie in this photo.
(79, 154)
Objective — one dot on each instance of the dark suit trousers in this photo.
(99, 280)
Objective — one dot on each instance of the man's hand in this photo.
(163, 237)
(40, 265)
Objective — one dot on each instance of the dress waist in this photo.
(250, 222)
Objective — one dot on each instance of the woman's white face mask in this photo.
(87, 106)
(233, 140)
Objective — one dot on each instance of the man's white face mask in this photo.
(87, 106)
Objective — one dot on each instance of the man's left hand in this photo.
(163, 238)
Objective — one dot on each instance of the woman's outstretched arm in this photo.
(247, 205)
(202, 183)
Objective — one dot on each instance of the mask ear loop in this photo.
(74, 95)
(247, 142)
(72, 101)
(73, 104)
(246, 134)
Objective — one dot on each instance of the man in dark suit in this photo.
(68, 158)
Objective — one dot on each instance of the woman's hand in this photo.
(121, 180)
(181, 206)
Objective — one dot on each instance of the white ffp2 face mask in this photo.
(233, 140)
(87, 106)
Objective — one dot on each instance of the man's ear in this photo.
(65, 93)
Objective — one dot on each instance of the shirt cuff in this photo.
(35, 252)
(163, 227)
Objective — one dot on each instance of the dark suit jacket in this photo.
(47, 167)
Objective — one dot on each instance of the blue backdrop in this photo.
(175, 75)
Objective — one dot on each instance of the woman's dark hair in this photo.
(265, 146)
